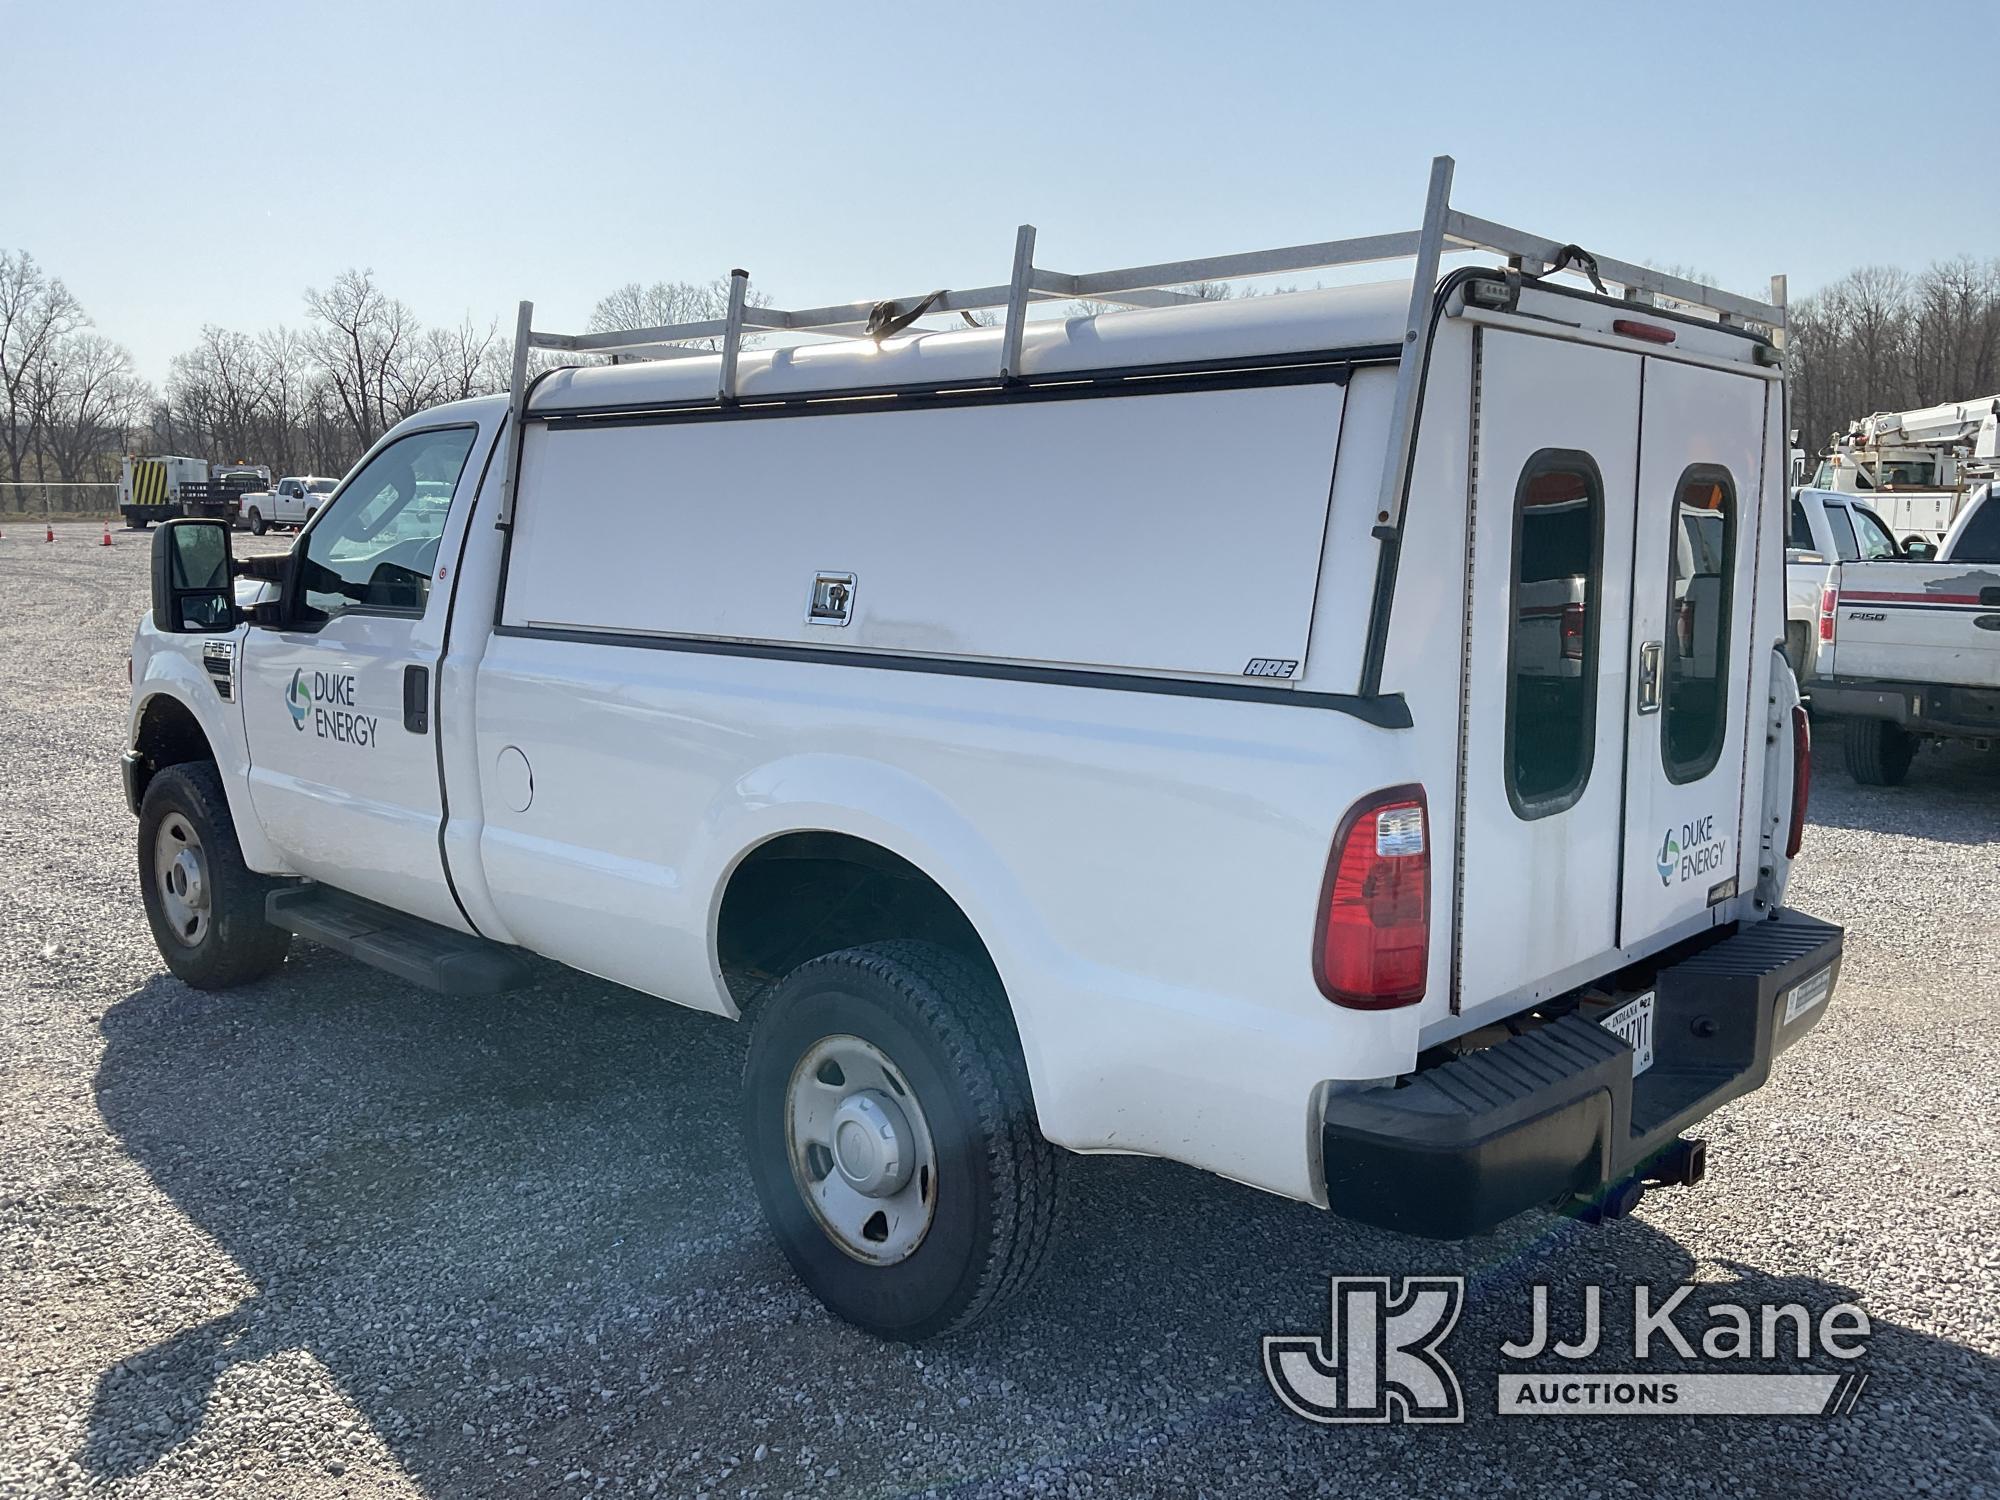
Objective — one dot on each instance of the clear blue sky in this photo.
(204, 162)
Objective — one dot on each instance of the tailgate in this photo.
(1918, 622)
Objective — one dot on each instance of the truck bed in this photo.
(1934, 623)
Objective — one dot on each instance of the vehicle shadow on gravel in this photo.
(518, 1235)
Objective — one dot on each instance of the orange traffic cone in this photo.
(50, 531)
(107, 535)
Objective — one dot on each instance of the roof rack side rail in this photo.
(1445, 231)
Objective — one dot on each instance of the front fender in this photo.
(170, 667)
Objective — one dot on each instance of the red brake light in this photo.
(1801, 778)
(1373, 945)
(1652, 333)
(1572, 632)
(1827, 599)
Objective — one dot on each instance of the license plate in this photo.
(1632, 1023)
(1807, 993)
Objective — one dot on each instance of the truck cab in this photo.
(1250, 761)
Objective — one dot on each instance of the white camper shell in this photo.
(1338, 739)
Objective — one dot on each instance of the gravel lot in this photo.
(333, 1236)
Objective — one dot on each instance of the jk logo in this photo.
(1379, 1361)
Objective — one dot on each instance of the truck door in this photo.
(336, 701)
(1694, 557)
(1544, 665)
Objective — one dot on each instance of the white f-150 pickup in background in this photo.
(1909, 650)
(290, 502)
(1181, 731)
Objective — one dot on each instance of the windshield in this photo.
(1909, 473)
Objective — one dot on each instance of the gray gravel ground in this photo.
(333, 1236)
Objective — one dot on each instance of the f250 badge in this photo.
(325, 702)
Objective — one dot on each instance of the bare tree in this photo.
(360, 338)
(92, 401)
(36, 313)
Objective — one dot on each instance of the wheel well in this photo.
(804, 894)
(169, 735)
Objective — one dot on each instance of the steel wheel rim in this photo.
(180, 872)
(861, 1150)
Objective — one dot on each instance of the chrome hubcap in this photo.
(860, 1149)
(181, 870)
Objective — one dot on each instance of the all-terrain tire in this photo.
(944, 1023)
(233, 943)
(1878, 752)
(257, 526)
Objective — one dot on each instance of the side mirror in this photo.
(1916, 549)
(193, 588)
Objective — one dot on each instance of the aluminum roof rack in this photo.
(1445, 230)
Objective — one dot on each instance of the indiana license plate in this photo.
(1632, 1023)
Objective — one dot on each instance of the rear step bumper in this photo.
(1556, 1112)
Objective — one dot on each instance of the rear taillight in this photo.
(1801, 778)
(1827, 599)
(1373, 944)
(1572, 632)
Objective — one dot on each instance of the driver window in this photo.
(1871, 536)
(376, 547)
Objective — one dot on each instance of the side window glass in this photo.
(1801, 527)
(1552, 646)
(376, 547)
(1979, 542)
(1845, 547)
(1695, 693)
(1872, 536)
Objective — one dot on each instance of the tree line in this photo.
(1882, 339)
(312, 397)
(304, 399)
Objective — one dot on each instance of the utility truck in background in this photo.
(1339, 739)
(171, 486)
(1916, 468)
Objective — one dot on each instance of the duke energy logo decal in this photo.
(325, 703)
(1690, 850)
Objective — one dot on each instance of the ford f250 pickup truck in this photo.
(1339, 740)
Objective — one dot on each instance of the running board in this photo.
(452, 963)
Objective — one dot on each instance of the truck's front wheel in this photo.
(893, 1139)
(205, 905)
(1878, 752)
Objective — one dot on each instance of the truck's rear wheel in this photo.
(1797, 636)
(206, 907)
(1878, 752)
(893, 1139)
(257, 527)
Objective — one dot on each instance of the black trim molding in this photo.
(1387, 711)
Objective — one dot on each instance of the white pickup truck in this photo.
(1909, 649)
(1827, 529)
(1180, 731)
(291, 502)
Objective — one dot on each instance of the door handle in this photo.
(417, 699)
(1649, 677)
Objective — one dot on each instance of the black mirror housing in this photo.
(194, 577)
